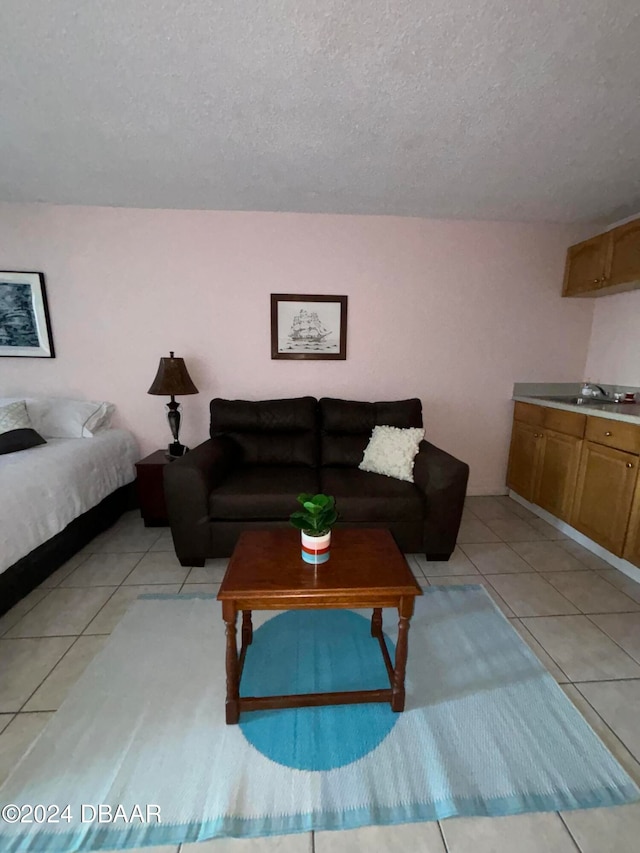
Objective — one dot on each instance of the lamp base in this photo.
(175, 450)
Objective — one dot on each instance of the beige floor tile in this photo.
(118, 604)
(63, 612)
(588, 558)
(457, 564)
(13, 616)
(125, 539)
(102, 570)
(16, 739)
(531, 595)
(206, 588)
(402, 838)
(23, 665)
(549, 664)
(590, 593)
(160, 567)
(53, 690)
(528, 833)
(548, 530)
(489, 508)
(474, 531)
(547, 557)
(618, 703)
(495, 558)
(514, 530)
(164, 543)
(612, 830)
(212, 571)
(608, 738)
(516, 508)
(581, 649)
(624, 628)
(297, 843)
(5, 719)
(457, 580)
(622, 582)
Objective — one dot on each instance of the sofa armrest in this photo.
(188, 482)
(443, 481)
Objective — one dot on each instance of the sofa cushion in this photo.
(361, 496)
(261, 492)
(346, 426)
(269, 432)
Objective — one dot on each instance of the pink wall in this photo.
(614, 348)
(452, 312)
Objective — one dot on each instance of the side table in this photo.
(150, 489)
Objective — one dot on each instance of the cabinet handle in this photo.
(629, 464)
(608, 433)
(596, 281)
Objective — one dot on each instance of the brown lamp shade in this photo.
(172, 378)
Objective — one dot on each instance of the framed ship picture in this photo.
(308, 327)
(24, 316)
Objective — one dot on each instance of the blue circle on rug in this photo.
(316, 651)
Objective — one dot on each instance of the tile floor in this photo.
(580, 616)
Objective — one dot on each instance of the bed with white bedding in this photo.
(45, 488)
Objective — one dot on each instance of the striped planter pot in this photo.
(315, 549)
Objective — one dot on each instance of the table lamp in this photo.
(173, 380)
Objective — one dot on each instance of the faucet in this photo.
(595, 391)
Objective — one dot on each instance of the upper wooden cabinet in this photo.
(625, 253)
(607, 263)
(587, 266)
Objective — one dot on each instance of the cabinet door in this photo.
(526, 444)
(587, 265)
(604, 492)
(625, 253)
(557, 473)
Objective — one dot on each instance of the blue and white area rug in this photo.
(139, 753)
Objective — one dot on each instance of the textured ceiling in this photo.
(520, 110)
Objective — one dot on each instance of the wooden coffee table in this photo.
(266, 572)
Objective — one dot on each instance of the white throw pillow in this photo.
(392, 451)
(57, 417)
(14, 416)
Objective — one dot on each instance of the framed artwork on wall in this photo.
(308, 327)
(25, 329)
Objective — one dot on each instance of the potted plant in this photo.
(314, 521)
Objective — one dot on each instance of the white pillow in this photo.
(392, 451)
(14, 416)
(57, 417)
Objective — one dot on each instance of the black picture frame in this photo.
(25, 325)
(308, 327)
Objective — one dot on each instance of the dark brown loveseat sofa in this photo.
(261, 455)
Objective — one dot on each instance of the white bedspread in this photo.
(44, 488)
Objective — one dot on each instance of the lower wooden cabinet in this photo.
(604, 492)
(523, 459)
(557, 472)
(582, 470)
(632, 542)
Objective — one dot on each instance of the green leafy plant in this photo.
(317, 516)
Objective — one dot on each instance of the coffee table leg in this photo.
(232, 707)
(405, 611)
(247, 628)
(376, 622)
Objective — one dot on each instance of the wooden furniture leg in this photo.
(402, 647)
(247, 628)
(376, 622)
(232, 706)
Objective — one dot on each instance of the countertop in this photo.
(629, 412)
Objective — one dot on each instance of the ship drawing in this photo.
(307, 328)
